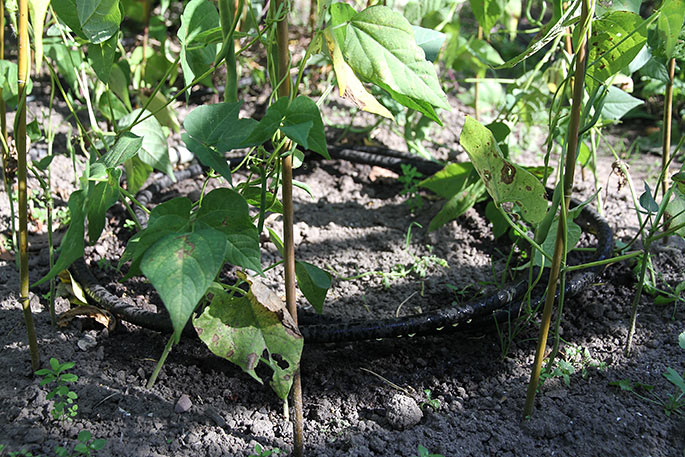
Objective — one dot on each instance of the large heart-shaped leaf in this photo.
(617, 103)
(227, 211)
(505, 181)
(213, 130)
(349, 85)
(99, 19)
(67, 13)
(181, 267)
(303, 125)
(101, 57)
(379, 45)
(170, 217)
(251, 329)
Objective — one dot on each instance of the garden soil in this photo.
(457, 394)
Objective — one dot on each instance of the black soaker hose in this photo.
(501, 304)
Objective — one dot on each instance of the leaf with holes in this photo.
(379, 45)
(504, 180)
(616, 39)
(99, 19)
(181, 267)
(252, 329)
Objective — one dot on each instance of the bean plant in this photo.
(569, 80)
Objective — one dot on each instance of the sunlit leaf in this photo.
(99, 19)
(155, 149)
(379, 45)
(505, 181)
(616, 39)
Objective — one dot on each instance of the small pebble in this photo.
(87, 342)
(402, 412)
(183, 404)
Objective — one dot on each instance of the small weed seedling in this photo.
(86, 446)
(410, 179)
(674, 402)
(259, 451)
(575, 359)
(64, 408)
(423, 452)
(432, 402)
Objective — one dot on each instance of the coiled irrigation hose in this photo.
(500, 305)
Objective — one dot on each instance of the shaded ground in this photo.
(366, 398)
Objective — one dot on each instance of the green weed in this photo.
(65, 408)
(259, 451)
(423, 452)
(430, 401)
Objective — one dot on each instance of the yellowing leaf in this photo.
(350, 86)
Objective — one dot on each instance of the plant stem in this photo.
(283, 75)
(160, 363)
(636, 300)
(477, 84)
(20, 140)
(668, 115)
(560, 245)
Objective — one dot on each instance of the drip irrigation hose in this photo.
(500, 305)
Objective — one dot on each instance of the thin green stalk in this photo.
(668, 116)
(599, 263)
(284, 89)
(50, 204)
(560, 245)
(20, 140)
(636, 301)
(3, 132)
(476, 85)
(593, 162)
(160, 363)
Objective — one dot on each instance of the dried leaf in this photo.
(101, 316)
